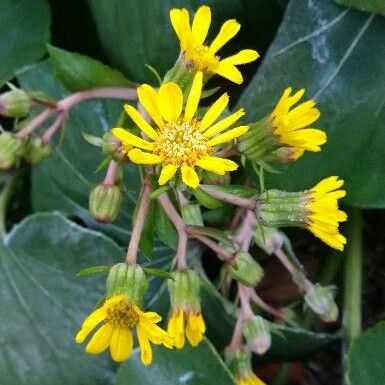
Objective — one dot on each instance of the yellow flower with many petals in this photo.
(180, 140)
(201, 57)
(120, 317)
(291, 125)
(323, 213)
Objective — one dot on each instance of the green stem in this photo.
(353, 278)
(5, 196)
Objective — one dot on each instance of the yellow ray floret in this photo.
(119, 318)
(323, 213)
(196, 54)
(178, 140)
(251, 379)
(291, 124)
(183, 323)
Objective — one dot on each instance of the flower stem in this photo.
(353, 277)
(5, 196)
(46, 137)
(111, 174)
(133, 246)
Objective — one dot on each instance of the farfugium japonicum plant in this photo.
(195, 152)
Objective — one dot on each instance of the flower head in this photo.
(315, 209)
(291, 125)
(201, 57)
(186, 317)
(180, 140)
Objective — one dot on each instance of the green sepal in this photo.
(245, 269)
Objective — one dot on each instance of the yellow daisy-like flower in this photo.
(291, 125)
(250, 379)
(119, 318)
(201, 57)
(183, 323)
(180, 140)
(323, 213)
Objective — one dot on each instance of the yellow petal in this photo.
(228, 136)
(328, 184)
(229, 71)
(180, 20)
(121, 344)
(213, 113)
(166, 174)
(228, 30)
(217, 165)
(148, 99)
(170, 101)
(195, 329)
(152, 316)
(140, 157)
(201, 24)
(242, 57)
(90, 323)
(140, 122)
(100, 340)
(131, 140)
(224, 123)
(145, 347)
(189, 176)
(179, 330)
(193, 97)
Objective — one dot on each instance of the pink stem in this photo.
(245, 235)
(236, 340)
(244, 296)
(46, 137)
(36, 122)
(265, 306)
(111, 174)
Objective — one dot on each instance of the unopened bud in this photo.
(113, 148)
(257, 334)
(11, 150)
(36, 151)
(105, 202)
(129, 280)
(268, 239)
(245, 269)
(321, 300)
(14, 103)
(286, 155)
(210, 178)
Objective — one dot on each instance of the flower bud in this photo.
(268, 239)
(111, 146)
(36, 151)
(182, 73)
(321, 300)
(210, 178)
(104, 203)
(257, 334)
(14, 103)
(245, 269)
(129, 280)
(11, 150)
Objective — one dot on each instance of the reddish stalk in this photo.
(46, 137)
(111, 174)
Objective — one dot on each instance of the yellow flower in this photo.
(250, 379)
(180, 140)
(291, 125)
(183, 322)
(323, 213)
(201, 57)
(120, 317)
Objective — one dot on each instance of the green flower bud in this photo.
(182, 73)
(14, 103)
(321, 300)
(112, 147)
(185, 291)
(36, 151)
(238, 361)
(11, 150)
(104, 203)
(129, 280)
(257, 334)
(268, 239)
(245, 269)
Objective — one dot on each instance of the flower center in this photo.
(181, 143)
(122, 315)
(200, 58)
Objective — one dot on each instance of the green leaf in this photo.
(337, 55)
(24, 33)
(93, 270)
(79, 72)
(92, 139)
(43, 303)
(164, 229)
(239, 190)
(158, 273)
(377, 6)
(366, 360)
(194, 366)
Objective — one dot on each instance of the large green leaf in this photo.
(337, 55)
(193, 366)
(24, 33)
(43, 303)
(365, 5)
(135, 33)
(366, 361)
